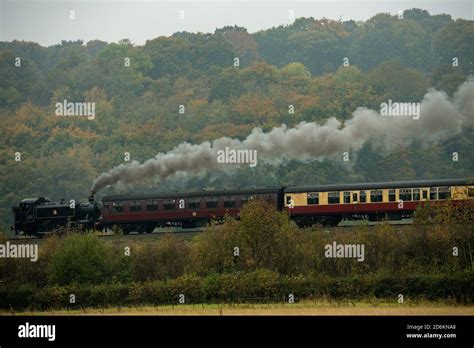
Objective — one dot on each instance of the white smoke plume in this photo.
(439, 117)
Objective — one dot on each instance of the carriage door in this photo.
(424, 194)
(355, 197)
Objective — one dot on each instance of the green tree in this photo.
(80, 260)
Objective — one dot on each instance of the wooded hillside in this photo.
(138, 106)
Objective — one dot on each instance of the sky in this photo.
(48, 22)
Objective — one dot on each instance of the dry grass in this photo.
(305, 308)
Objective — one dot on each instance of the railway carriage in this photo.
(329, 204)
(143, 213)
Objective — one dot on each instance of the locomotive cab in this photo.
(24, 215)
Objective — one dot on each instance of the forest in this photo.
(189, 87)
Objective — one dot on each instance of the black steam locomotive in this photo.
(38, 216)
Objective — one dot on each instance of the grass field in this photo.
(303, 308)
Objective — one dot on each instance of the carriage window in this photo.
(470, 191)
(416, 194)
(391, 195)
(363, 197)
(194, 203)
(376, 196)
(211, 202)
(135, 206)
(433, 193)
(333, 198)
(313, 198)
(152, 204)
(405, 194)
(229, 202)
(106, 207)
(425, 194)
(347, 197)
(169, 204)
(118, 207)
(265, 197)
(444, 193)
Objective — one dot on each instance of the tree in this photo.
(455, 41)
(385, 37)
(243, 44)
(392, 80)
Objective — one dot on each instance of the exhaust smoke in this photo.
(438, 117)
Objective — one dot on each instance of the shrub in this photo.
(120, 264)
(54, 297)
(14, 296)
(188, 285)
(81, 259)
(265, 238)
(104, 295)
(164, 260)
(156, 292)
(260, 285)
(257, 286)
(212, 250)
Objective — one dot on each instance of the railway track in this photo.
(133, 235)
(189, 233)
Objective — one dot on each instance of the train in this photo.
(305, 205)
(39, 216)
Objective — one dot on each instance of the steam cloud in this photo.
(439, 117)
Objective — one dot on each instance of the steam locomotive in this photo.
(38, 216)
(306, 205)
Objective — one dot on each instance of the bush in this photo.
(104, 295)
(188, 285)
(14, 296)
(164, 260)
(156, 292)
(120, 264)
(81, 259)
(258, 286)
(54, 297)
(265, 238)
